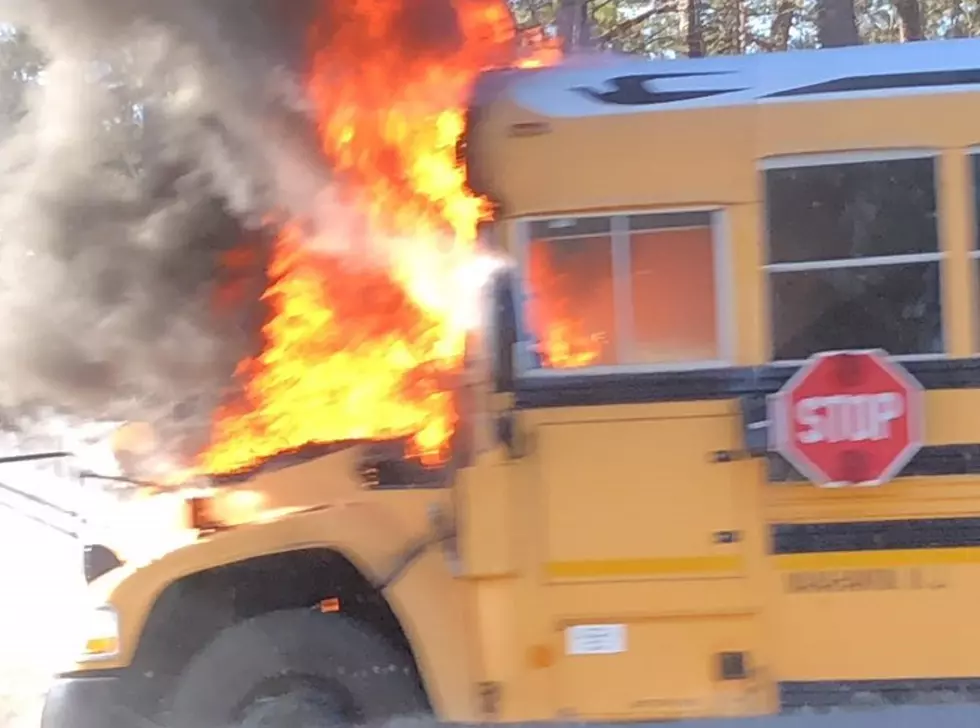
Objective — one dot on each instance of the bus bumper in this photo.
(87, 702)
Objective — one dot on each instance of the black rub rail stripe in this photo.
(919, 533)
(574, 390)
(829, 694)
(887, 81)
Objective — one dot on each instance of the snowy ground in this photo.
(40, 574)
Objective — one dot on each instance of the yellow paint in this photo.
(750, 302)
(956, 226)
(485, 513)
(892, 559)
(642, 567)
(611, 516)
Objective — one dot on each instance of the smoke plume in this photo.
(131, 264)
(133, 256)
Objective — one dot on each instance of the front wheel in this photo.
(296, 669)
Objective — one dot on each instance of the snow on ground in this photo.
(40, 587)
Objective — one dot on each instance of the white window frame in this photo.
(620, 238)
(819, 159)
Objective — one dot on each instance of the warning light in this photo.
(329, 605)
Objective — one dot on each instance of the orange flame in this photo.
(563, 342)
(542, 50)
(366, 344)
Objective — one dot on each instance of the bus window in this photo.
(672, 281)
(627, 289)
(853, 257)
(570, 272)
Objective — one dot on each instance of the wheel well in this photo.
(191, 611)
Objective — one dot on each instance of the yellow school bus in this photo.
(617, 538)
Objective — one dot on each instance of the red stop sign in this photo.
(848, 418)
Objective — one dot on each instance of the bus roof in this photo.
(614, 85)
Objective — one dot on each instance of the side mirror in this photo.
(505, 333)
(98, 560)
(504, 348)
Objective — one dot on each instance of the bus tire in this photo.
(295, 668)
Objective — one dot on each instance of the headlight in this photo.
(100, 636)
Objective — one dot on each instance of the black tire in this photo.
(283, 656)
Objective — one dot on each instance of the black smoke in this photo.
(132, 256)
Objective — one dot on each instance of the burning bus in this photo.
(577, 450)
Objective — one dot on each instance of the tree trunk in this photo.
(587, 31)
(743, 26)
(692, 30)
(957, 22)
(565, 23)
(574, 25)
(910, 20)
(836, 25)
(782, 24)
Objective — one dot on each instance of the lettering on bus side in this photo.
(865, 580)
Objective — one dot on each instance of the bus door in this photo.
(640, 535)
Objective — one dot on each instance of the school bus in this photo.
(619, 541)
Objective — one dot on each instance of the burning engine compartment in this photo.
(283, 259)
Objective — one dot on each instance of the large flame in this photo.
(563, 339)
(369, 317)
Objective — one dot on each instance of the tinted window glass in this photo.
(894, 307)
(834, 279)
(856, 210)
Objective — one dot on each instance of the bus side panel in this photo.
(858, 616)
(872, 591)
(642, 537)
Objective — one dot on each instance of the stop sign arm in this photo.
(753, 409)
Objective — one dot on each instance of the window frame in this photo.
(973, 251)
(820, 159)
(622, 300)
